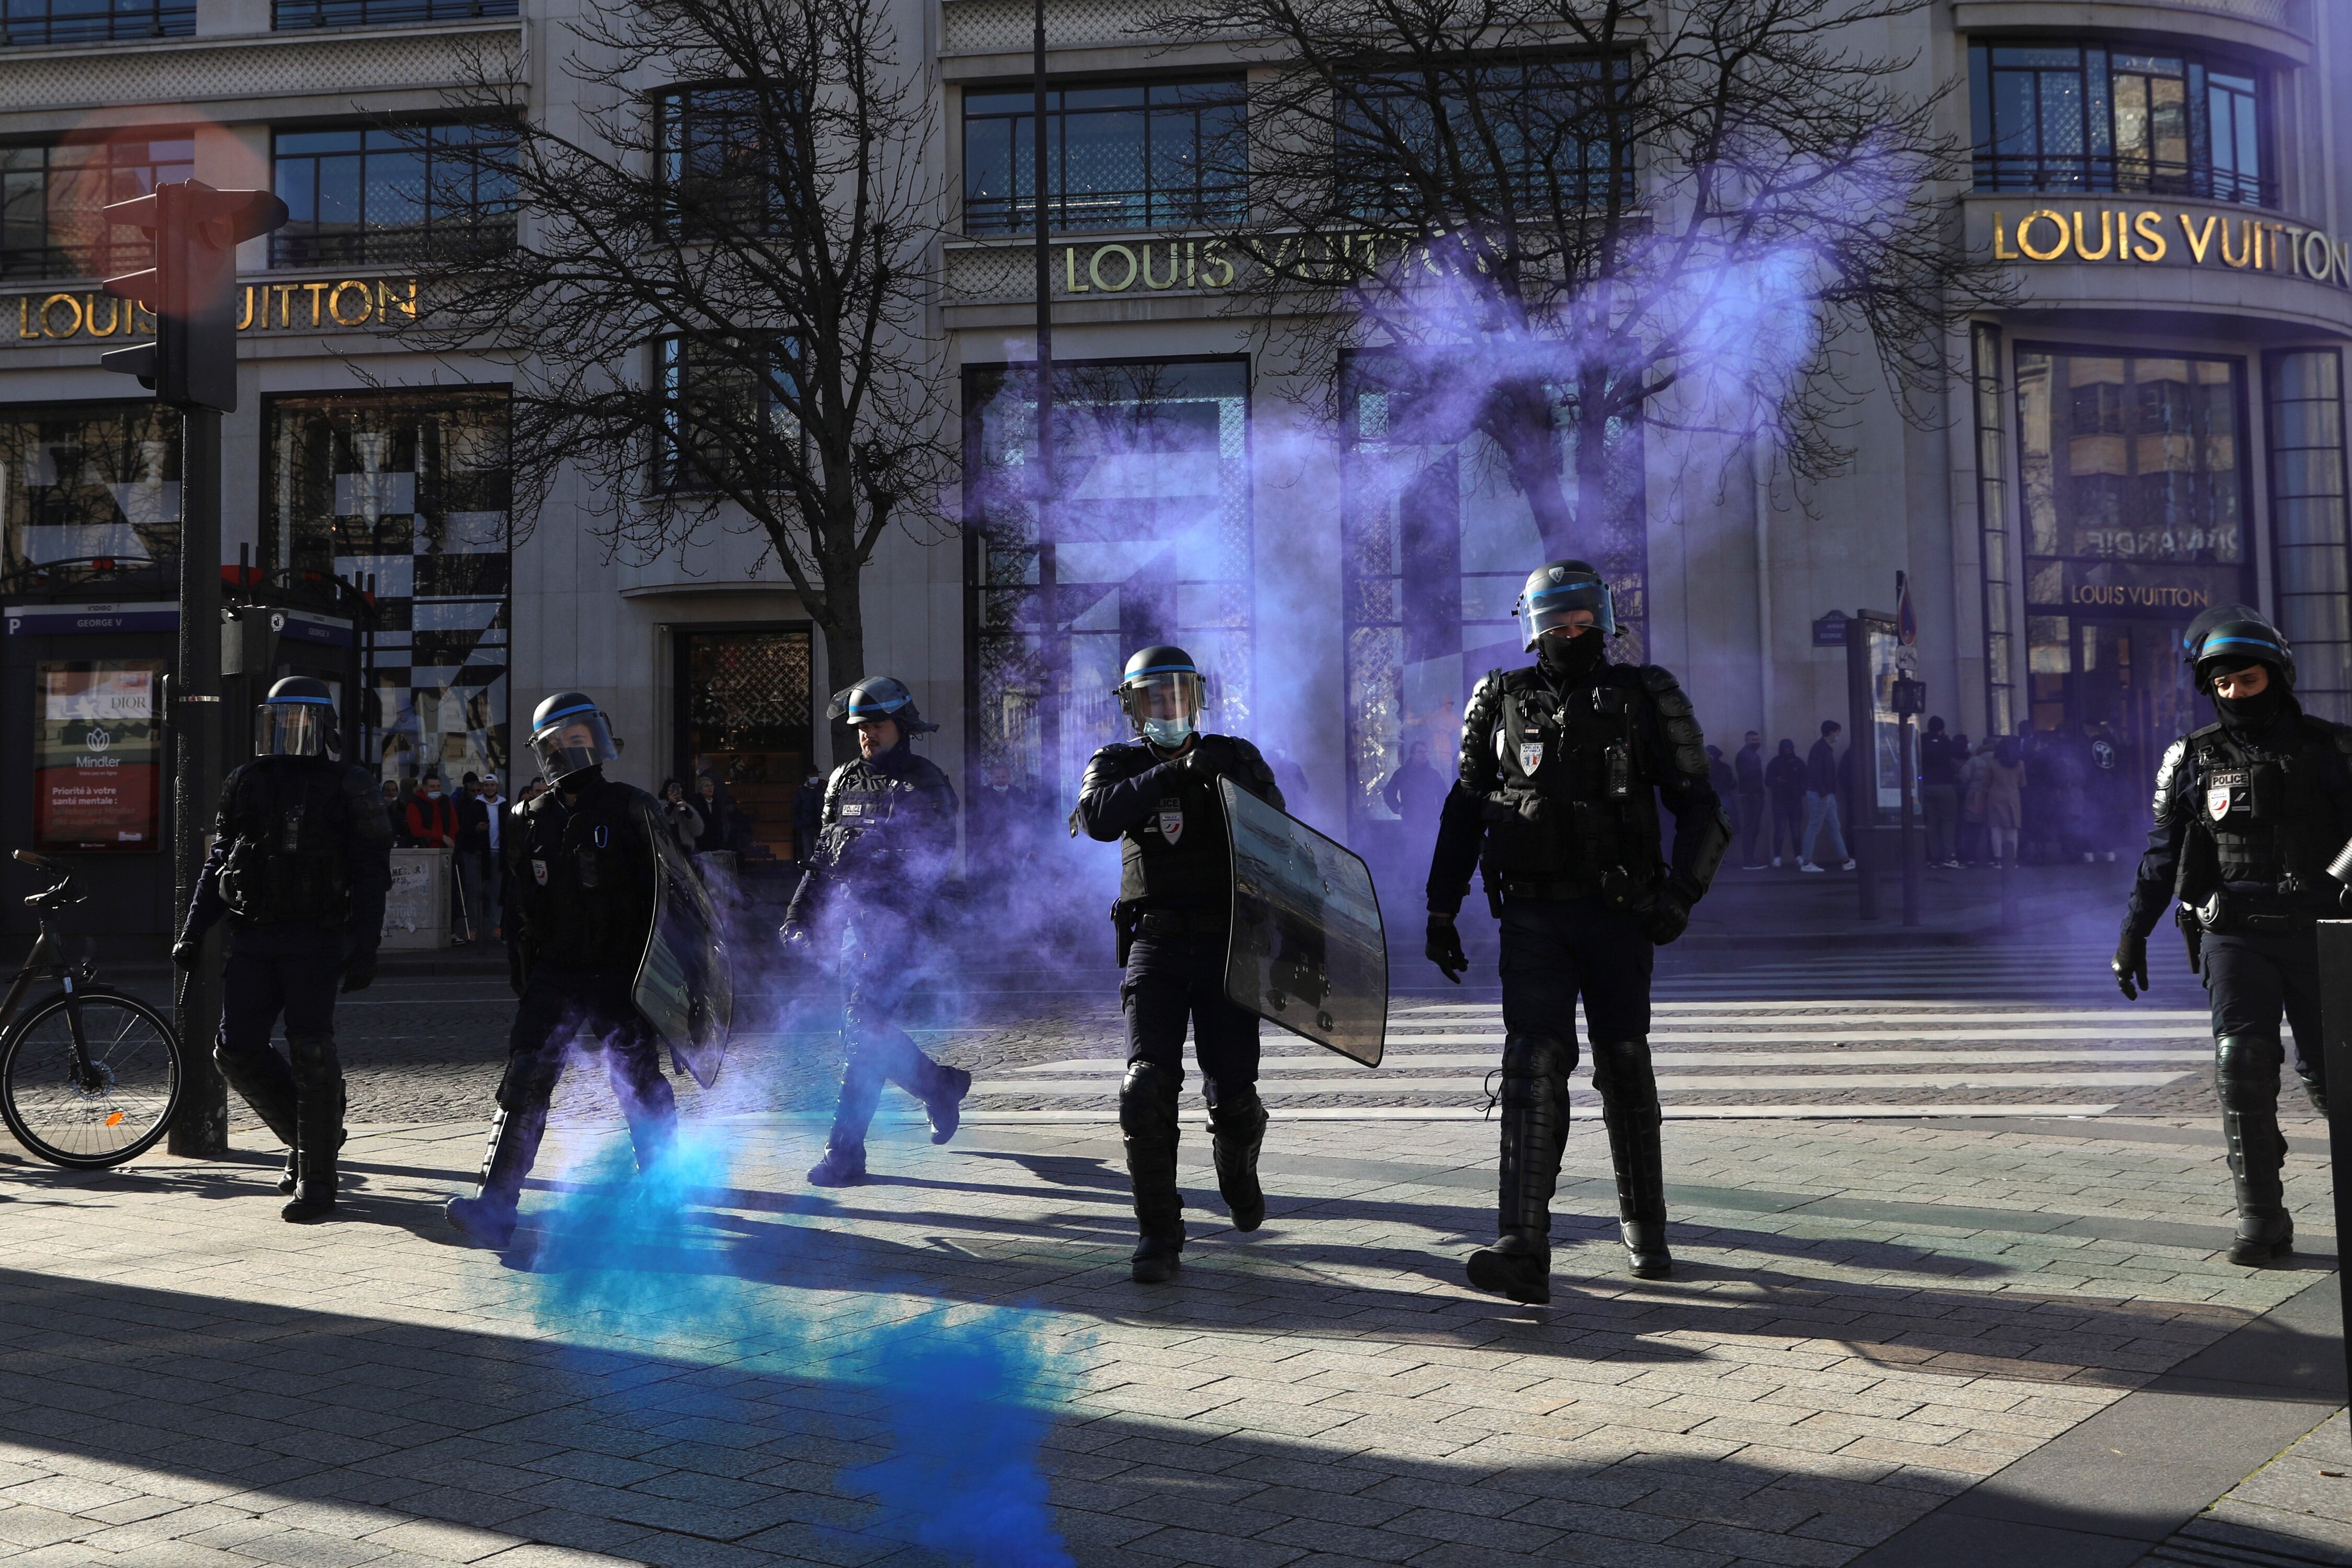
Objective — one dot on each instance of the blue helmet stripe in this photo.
(321, 702)
(566, 713)
(1164, 670)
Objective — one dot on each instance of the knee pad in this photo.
(1535, 1070)
(2246, 1069)
(313, 1059)
(1622, 1074)
(528, 1081)
(1147, 1097)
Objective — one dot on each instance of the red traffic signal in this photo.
(192, 361)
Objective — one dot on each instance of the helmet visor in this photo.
(293, 730)
(572, 743)
(1165, 704)
(1567, 605)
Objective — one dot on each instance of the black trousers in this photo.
(879, 948)
(1174, 978)
(1556, 950)
(588, 1011)
(2251, 977)
(288, 971)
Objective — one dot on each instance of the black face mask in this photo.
(2251, 717)
(1567, 660)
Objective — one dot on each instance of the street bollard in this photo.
(2336, 1027)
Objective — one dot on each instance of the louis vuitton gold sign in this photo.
(2123, 235)
(324, 305)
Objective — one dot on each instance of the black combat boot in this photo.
(844, 1165)
(1237, 1132)
(1629, 1105)
(318, 1140)
(1146, 1124)
(943, 1101)
(487, 1218)
(1535, 1128)
(2245, 1077)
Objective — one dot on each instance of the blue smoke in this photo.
(641, 1263)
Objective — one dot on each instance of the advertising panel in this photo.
(97, 754)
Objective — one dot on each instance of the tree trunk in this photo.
(1518, 419)
(1593, 459)
(845, 651)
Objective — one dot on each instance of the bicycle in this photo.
(89, 1076)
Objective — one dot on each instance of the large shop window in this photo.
(1150, 543)
(2088, 117)
(81, 22)
(50, 195)
(745, 737)
(89, 482)
(1146, 155)
(391, 194)
(1438, 545)
(2309, 534)
(2133, 482)
(410, 489)
(292, 16)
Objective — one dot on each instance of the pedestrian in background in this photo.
(2005, 799)
(494, 881)
(395, 815)
(1784, 781)
(808, 817)
(1748, 794)
(1939, 793)
(1824, 782)
(473, 850)
(1975, 778)
(432, 820)
(716, 808)
(685, 822)
(1415, 790)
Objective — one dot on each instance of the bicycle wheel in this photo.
(124, 1104)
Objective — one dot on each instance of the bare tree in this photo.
(1551, 215)
(714, 301)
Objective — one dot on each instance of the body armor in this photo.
(888, 821)
(289, 823)
(583, 877)
(1558, 792)
(2259, 826)
(1174, 856)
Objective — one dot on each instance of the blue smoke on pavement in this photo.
(648, 1263)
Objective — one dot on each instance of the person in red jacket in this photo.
(432, 818)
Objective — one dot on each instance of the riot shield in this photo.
(1308, 950)
(685, 987)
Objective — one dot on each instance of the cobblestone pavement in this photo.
(1868, 1318)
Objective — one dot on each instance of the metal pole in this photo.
(1910, 839)
(2336, 1017)
(1049, 710)
(200, 1127)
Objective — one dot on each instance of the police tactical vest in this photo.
(1581, 753)
(1177, 855)
(289, 833)
(584, 877)
(2266, 821)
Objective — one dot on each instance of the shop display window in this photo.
(369, 195)
(1150, 542)
(79, 22)
(746, 737)
(2303, 390)
(1166, 154)
(89, 482)
(51, 194)
(2133, 475)
(409, 491)
(2054, 116)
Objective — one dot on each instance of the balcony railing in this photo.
(311, 246)
(1104, 210)
(291, 16)
(2086, 173)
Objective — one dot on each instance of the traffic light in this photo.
(192, 361)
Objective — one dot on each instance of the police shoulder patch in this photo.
(2170, 772)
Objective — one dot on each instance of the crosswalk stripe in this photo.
(1727, 1037)
(1431, 1061)
(1668, 1083)
(1673, 1113)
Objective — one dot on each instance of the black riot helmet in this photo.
(296, 720)
(1161, 691)
(2231, 636)
(1558, 589)
(570, 734)
(879, 697)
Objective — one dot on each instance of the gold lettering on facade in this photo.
(2025, 235)
(48, 308)
(118, 314)
(1149, 280)
(2321, 269)
(318, 292)
(1209, 260)
(2141, 596)
(2150, 226)
(1070, 270)
(1094, 269)
(2199, 239)
(2106, 237)
(1192, 266)
(387, 301)
(348, 303)
(245, 317)
(335, 303)
(2248, 234)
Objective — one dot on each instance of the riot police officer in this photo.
(300, 861)
(582, 863)
(2250, 813)
(1563, 765)
(1156, 794)
(885, 843)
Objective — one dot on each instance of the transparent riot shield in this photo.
(686, 987)
(1307, 952)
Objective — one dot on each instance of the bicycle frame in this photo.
(46, 946)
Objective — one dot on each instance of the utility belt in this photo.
(2225, 911)
(1552, 892)
(1134, 920)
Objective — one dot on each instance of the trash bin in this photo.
(416, 910)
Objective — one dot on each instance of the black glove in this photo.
(795, 936)
(1199, 764)
(1443, 948)
(1667, 917)
(359, 970)
(2130, 965)
(187, 951)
